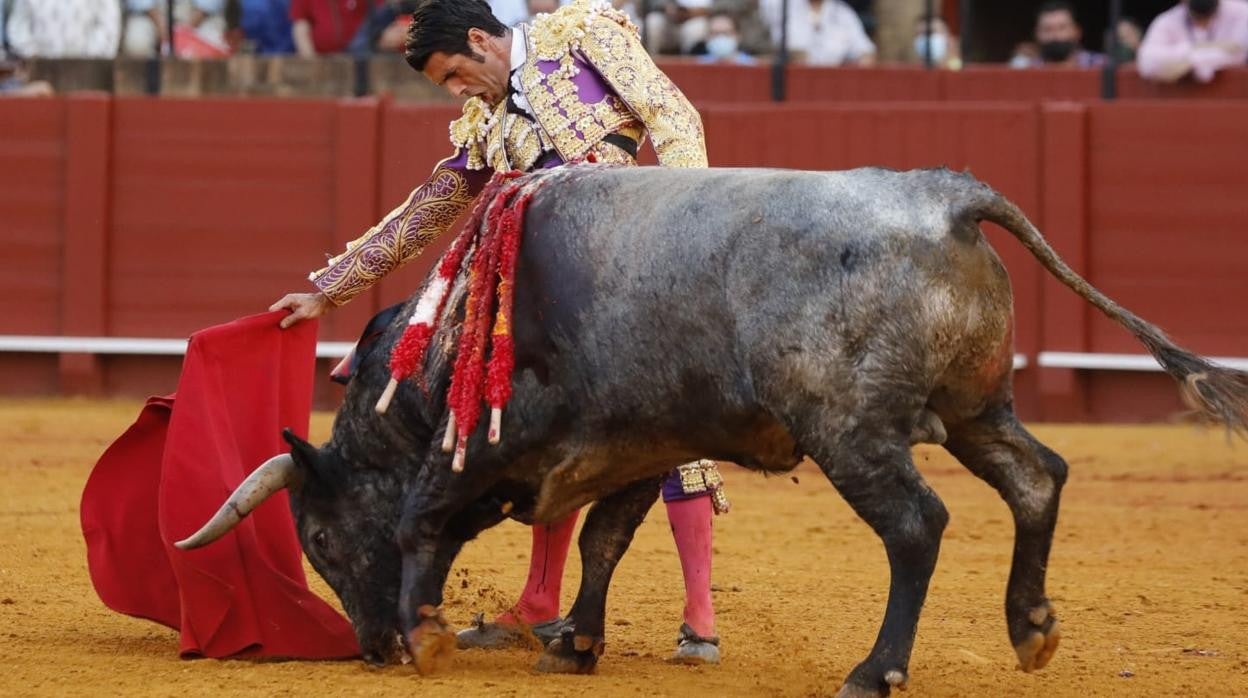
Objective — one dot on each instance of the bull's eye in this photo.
(320, 540)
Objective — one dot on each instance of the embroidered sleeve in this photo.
(405, 232)
(611, 44)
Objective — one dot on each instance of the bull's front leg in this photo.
(435, 525)
(606, 535)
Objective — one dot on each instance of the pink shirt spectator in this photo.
(1174, 46)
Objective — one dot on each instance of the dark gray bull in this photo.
(749, 316)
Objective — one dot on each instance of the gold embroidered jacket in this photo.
(586, 76)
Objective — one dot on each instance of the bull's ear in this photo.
(307, 458)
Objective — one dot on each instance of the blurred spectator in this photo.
(393, 37)
(754, 32)
(821, 32)
(326, 26)
(1129, 35)
(540, 7)
(678, 26)
(1025, 55)
(14, 82)
(1196, 37)
(385, 28)
(723, 42)
(146, 29)
(4, 41)
(513, 12)
(1059, 40)
(945, 50)
(64, 28)
(628, 7)
(266, 26)
(510, 12)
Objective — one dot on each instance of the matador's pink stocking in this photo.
(539, 602)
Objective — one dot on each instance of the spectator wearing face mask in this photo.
(944, 47)
(1059, 40)
(676, 26)
(1197, 38)
(723, 42)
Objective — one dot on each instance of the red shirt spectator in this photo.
(326, 26)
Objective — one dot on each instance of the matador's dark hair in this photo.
(442, 25)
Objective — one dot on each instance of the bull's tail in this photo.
(1218, 393)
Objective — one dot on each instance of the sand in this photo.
(1149, 576)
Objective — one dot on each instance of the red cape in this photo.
(244, 595)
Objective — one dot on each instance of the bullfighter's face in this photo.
(483, 72)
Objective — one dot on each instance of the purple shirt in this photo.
(1174, 46)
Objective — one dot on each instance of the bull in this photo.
(751, 316)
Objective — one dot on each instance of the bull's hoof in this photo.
(894, 678)
(1040, 642)
(493, 636)
(432, 643)
(694, 649)
(571, 654)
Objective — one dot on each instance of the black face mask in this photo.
(1056, 51)
(1202, 8)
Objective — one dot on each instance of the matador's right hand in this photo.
(302, 306)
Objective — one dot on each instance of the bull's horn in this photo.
(275, 474)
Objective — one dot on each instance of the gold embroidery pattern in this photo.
(675, 126)
(573, 125)
(558, 35)
(524, 144)
(398, 238)
(608, 154)
(594, 32)
(703, 476)
(472, 129)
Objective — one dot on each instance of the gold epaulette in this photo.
(558, 34)
(470, 131)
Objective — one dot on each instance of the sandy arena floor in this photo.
(1149, 575)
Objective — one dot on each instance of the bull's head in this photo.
(346, 516)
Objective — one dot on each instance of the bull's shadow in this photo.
(744, 315)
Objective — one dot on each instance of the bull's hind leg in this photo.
(1029, 476)
(606, 535)
(874, 473)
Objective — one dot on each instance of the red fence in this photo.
(135, 217)
(716, 83)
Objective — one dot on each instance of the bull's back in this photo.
(663, 284)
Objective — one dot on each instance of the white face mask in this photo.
(940, 46)
(722, 46)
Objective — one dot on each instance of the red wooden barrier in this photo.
(32, 210)
(809, 84)
(1061, 391)
(215, 203)
(735, 84)
(998, 83)
(720, 83)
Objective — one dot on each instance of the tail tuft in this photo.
(1219, 394)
